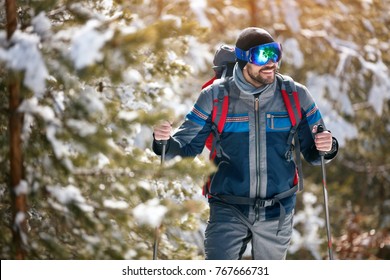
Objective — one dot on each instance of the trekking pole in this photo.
(156, 230)
(320, 129)
(155, 244)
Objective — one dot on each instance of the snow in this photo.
(128, 116)
(60, 148)
(366, 4)
(150, 213)
(199, 7)
(130, 101)
(91, 100)
(130, 254)
(368, 25)
(41, 25)
(292, 53)
(380, 91)
(69, 195)
(20, 217)
(91, 240)
(103, 160)
(132, 76)
(199, 56)
(31, 106)
(59, 98)
(319, 85)
(87, 43)
(311, 222)
(292, 15)
(115, 204)
(175, 19)
(107, 4)
(24, 55)
(145, 185)
(82, 127)
(21, 188)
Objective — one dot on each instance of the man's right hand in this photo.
(162, 131)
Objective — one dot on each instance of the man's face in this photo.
(261, 75)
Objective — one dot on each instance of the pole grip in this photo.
(320, 128)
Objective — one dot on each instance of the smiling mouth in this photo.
(267, 70)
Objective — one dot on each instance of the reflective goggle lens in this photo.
(261, 55)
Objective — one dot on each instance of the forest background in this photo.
(83, 82)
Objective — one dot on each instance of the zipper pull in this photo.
(257, 103)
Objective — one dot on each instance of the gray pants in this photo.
(228, 233)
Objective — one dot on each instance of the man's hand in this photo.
(323, 140)
(162, 131)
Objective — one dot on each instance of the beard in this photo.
(262, 78)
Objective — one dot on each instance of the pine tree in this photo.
(90, 76)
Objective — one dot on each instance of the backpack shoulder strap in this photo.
(291, 100)
(220, 90)
(219, 114)
(220, 103)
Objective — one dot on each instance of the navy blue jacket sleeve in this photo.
(311, 116)
(189, 139)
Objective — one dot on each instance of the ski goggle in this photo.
(262, 54)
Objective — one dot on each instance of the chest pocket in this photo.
(278, 121)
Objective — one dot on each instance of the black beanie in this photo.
(251, 37)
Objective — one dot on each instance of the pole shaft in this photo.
(326, 202)
(320, 129)
(155, 244)
(156, 231)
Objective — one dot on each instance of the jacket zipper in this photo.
(257, 152)
(273, 117)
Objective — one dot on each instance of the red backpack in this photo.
(224, 61)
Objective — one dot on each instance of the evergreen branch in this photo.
(105, 172)
(4, 110)
(367, 168)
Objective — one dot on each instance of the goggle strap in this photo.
(242, 55)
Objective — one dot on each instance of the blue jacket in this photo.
(255, 142)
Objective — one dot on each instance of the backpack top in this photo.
(224, 58)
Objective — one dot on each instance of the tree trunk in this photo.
(253, 12)
(19, 226)
(10, 6)
(160, 7)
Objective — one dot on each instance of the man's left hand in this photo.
(323, 140)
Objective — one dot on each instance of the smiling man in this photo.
(253, 192)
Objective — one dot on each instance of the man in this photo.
(253, 169)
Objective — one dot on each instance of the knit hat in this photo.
(251, 37)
